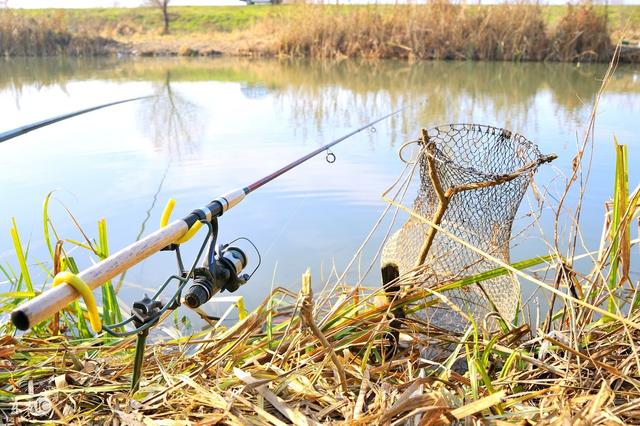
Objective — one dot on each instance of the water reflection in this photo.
(254, 91)
(451, 90)
(172, 122)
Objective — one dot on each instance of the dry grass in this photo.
(26, 36)
(582, 371)
(441, 30)
(581, 35)
(438, 30)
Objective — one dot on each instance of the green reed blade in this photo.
(82, 325)
(22, 260)
(497, 272)
(18, 294)
(45, 223)
(11, 277)
(110, 309)
(618, 236)
(269, 325)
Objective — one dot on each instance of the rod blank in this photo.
(10, 134)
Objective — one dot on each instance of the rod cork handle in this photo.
(53, 300)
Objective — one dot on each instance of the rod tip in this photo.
(20, 319)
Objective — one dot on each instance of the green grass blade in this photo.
(497, 272)
(82, 326)
(22, 260)
(70, 264)
(270, 322)
(508, 364)
(18, 294)
(620, 197)
(45, 223)
(110, 309)
(11, 277)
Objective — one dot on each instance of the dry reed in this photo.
(441, 30)
(27, 36)
(437, 30)
(581, 35)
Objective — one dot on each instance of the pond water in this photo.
(220, 124)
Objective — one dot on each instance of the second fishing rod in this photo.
(223, 264)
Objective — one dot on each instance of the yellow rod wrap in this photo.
(85, 291)
(166, 213)
(164, 220)
(242, 311)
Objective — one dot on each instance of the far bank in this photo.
(434, 31)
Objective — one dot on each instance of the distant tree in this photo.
(163, 5)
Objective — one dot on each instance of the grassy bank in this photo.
(438, 30)
(203, 19)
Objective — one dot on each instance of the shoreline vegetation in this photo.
(438, 30)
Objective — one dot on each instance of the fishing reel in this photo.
(222, 271)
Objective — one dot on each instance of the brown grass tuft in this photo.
(441, 30)
(27, 36)
(581, 35)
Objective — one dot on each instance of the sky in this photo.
(133, 3)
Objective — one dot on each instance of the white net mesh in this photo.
(483, 173)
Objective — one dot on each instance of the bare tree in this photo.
(163, 5)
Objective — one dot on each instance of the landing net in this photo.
(471, 181)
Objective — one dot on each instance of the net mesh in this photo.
(481, 173)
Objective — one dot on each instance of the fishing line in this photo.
(260, 182)
(358, 254)
(286, 223)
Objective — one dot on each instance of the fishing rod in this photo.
(10, 134)
(222, 270)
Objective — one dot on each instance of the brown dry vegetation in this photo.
(25, 36)
(581, 33)
(439, 30)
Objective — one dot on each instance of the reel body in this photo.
(222, 272)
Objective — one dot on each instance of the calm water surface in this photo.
(220, 124)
